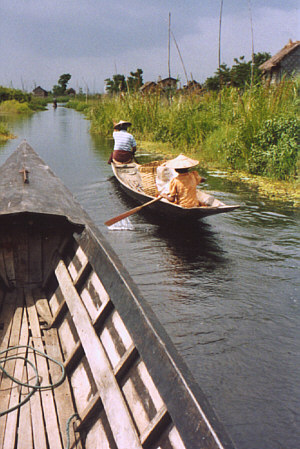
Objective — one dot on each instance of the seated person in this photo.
(183, 188)
(163, 177)
(125, 144)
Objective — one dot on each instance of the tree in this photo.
(239, 75)
(135, 81)
(61, 88)
(116, 84)
(119, 84)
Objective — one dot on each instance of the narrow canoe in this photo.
(138, 181)
(107, 375)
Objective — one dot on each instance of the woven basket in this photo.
(148, 176)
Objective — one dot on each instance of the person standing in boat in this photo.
(183, 188)
(125, 144)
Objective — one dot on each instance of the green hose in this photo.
(37, 385)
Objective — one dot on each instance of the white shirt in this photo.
(123, 141)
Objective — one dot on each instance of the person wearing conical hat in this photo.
(124, 144)
(183, 188)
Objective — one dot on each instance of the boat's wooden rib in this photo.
(130, 179)
(64, 292)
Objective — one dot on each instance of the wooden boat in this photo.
(107, 374)
(139, 182)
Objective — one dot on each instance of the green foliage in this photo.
(61, 87)
(274, 150)
(118, 83)
(135, 81)
(4, 132)
(14, 94)
(14, 107)
(241, 74)
(224, 129)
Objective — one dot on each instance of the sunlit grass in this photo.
(216, 128)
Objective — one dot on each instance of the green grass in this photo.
(229, 130)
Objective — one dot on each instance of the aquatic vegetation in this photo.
(5, 134)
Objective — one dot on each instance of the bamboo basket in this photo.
(148, 177)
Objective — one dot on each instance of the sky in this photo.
(94, 39)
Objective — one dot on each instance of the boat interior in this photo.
(66, 354)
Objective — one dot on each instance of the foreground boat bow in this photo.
(64, 293)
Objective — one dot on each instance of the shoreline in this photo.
(273, 190)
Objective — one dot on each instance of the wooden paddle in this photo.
(130, 212)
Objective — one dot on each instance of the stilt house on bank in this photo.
(148, 87)
(192, 86)
(285, 63)
(40, 92)
(167, 83)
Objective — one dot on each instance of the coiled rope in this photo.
(36, 386)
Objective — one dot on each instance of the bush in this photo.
(14, 107)
(274, 151)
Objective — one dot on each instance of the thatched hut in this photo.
(192, 86)
(167, 83)
(40, 92)
(148, 87)
(285, 63)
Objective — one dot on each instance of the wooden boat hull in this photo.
(64, 292)
(128, 179)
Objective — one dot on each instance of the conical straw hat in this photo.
(182, 161)
(121, 122)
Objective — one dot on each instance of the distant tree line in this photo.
(7, 94)
(242, 73)
(119, 83)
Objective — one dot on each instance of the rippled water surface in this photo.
(226, 289)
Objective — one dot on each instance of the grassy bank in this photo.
(254, 131)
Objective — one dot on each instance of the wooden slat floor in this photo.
(41, 422)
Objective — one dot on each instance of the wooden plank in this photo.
(36, 409)
(156, 426)
(93, 407)
(62, 393)
(25, 420)
(94, 296)
(11, 338)
(12, 418)
(53, 433)
(78, 265)
(59, 314)
(113, 401)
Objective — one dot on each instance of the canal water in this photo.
(226, 289)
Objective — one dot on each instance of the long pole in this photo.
(252, 41)
(220, 78)
(169, 45)
(180, 57)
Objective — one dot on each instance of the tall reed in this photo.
(192, 123)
